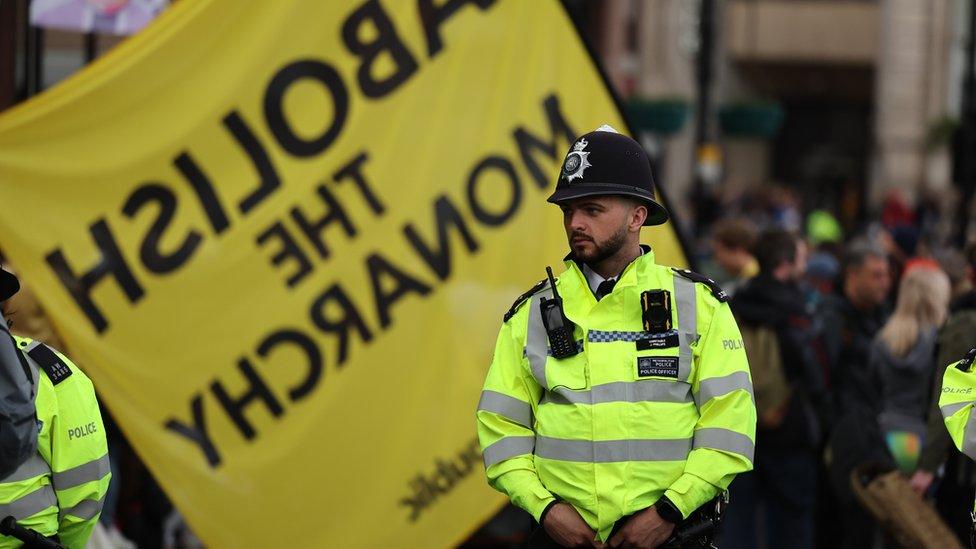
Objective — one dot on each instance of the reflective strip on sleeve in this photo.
(86, 509)
(508, 407)
(950, 409)
(536, 342)
(31, 504)
(647, 390)
(35, 466)
(95, 469)
(686, 301)
(723, 439)
(607, 451)
(34, 368)
(718, 386)
(507, 448)
(969, 437)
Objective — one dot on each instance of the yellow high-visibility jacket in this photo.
(956, 402)
(60, 490)
(600, 430)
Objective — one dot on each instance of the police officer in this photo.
(58, 490)
(956, 402)
(18, 431)
(619, 401)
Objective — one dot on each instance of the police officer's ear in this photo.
(637, 216)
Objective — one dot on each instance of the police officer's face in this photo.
(598, 227)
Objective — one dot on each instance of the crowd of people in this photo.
(847, 340)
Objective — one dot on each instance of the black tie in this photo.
(605, 288)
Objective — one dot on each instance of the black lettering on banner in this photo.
(353, 170)
(112, 263)
(274, 112)
(204, 190)
(433, 17)
(386, 40)
(289, 250)
(349, 319)
(258, 391)
(481, 213)
(528, 142)
(315, 362)
(197, 433)
(379, 268)
(334, 213)
(152, 257)
(427, 488)
(259, 159)
(446, 216)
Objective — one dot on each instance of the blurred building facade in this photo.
(840, 100)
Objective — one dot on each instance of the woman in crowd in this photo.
(903, 361)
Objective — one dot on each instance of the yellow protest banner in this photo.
(280, 237)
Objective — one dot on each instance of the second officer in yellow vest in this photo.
(956, 402)
(619, 401)
(59, 490)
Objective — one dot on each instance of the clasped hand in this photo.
(644, 530)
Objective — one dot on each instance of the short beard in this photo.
(605, 250)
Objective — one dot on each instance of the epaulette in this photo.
(49, 361)
(521, 299)
(718, 292)
(967, 361)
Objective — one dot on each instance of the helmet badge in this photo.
(576, 161)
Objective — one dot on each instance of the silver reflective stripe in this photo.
(35, 466)
(508, 407)
(506, 448)
(86, 509)
(648, 390)
(718, 386)
(95, 469)
(31, 504)
(724, 439)
(969, 437)
(536, 343)
(684, 294)
(607, 451)
(950, 409)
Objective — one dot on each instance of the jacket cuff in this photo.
(550, 505)
(689, 493)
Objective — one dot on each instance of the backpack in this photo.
(770, 385)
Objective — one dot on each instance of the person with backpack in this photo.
(789, 385)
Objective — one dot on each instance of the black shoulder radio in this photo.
(559, 329)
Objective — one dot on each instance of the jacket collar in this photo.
(627, 278)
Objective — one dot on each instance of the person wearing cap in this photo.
(611, 416)
(18, 430)
(59, 488)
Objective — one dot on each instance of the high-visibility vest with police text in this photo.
(956, 403)
(634, 416)
(60, 490)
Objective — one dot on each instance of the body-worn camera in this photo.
(656, 311)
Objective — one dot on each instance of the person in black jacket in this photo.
(850, 323)
(18, 424)
(783, 484)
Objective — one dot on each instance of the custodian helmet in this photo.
(605, 162)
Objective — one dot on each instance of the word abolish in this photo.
(369, 35)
